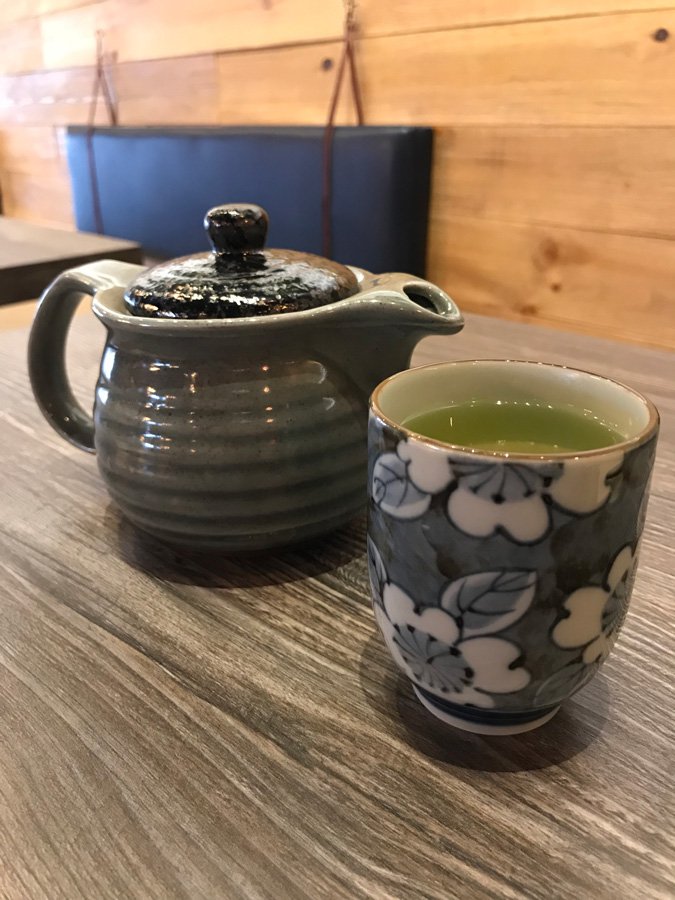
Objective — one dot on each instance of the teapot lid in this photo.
(238, 277)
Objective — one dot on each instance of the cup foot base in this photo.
(483, 721)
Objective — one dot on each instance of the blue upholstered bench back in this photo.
(155, 184)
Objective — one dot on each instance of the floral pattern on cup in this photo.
(487, 496)
(591, 619)
(456, 530)
(448, 648)
(594, 614)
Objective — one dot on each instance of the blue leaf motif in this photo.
(563, 683)
(488, 602)
(393, 491)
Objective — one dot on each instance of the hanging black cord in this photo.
(347, 56)
(102, 86)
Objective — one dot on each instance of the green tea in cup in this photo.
(515, 426)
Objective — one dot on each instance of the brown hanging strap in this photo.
(102, 87)
(347, 56)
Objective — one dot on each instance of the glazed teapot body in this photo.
(232, 434)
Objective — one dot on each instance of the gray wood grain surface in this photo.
(184, 726)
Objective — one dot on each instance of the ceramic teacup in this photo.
(501, 580)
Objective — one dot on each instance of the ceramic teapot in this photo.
(231, 406)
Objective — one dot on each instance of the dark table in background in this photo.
(176, 726)
(32, 255)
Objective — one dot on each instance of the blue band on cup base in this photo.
(483, 721)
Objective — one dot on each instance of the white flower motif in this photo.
(595, 614)
(490, 495)
(429, 647)
(583, 488)
(526, 520)
(501, 495)
(428, 466)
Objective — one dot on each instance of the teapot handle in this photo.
(47, 345)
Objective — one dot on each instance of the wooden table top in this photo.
(32, 255)
(172, 726)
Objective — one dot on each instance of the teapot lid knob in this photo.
(239, 279)
(236, 228)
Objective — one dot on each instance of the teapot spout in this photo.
(407, 302)
(377, 329)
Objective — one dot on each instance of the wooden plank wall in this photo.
(554, 181)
